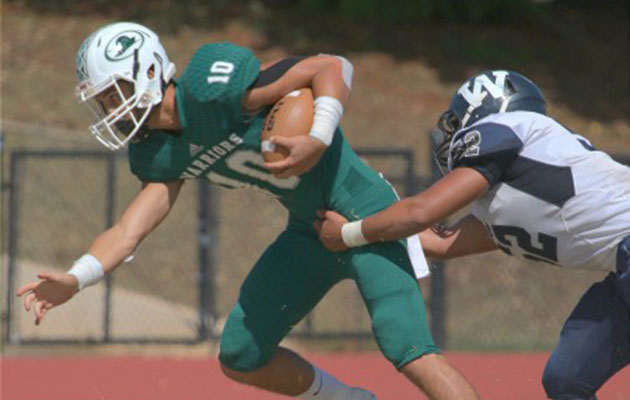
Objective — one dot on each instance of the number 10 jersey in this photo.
(220, 143)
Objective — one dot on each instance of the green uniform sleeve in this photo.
(218, 77)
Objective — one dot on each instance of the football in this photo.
(291, 116)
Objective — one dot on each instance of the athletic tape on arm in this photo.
(88, 270)
(326, 117)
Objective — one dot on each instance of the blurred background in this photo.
(60, 189)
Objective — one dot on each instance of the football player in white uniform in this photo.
(538, 191)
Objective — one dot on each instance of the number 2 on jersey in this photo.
(508, 237)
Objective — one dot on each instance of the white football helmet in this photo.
(122, 51)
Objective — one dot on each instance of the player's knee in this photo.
(236, 357)
(242, 355)
(239, 350)
(400, 341)
(561, 382)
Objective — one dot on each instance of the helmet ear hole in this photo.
(151, 72)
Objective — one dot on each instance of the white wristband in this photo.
(88, 270)
(352, 234)
(326, 116)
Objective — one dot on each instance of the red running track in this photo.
(496, 376)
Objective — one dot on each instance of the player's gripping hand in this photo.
(328, 228)
(304, 153)
(50, 291)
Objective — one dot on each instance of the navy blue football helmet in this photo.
(490, 92)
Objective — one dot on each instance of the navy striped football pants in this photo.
(594, 342)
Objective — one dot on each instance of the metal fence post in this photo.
(109, 221)
(438, 283)
(12, 242)
(206, 237)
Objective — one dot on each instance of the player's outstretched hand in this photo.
(50, 291)
(304, 153)
(328, 228)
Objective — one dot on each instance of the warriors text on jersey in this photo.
(552, 196)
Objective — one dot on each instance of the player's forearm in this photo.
(110, 248)
(107, 252)
(417, 213)
(113, 246)
(143, 215)
(331, 89)
(401, 220)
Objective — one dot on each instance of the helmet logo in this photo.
(122, 45)
(482, 86)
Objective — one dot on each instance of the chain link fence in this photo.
(185, 277)
(59, 202)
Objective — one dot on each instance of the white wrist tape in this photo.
(88, 270)
(267, 146)
(326, 117)
(352, 234)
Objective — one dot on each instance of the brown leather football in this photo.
(292, 115)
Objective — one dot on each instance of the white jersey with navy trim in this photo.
(552, 196)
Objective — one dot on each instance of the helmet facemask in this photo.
(441, 138)
(116, 127)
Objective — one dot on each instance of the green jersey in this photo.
(221, 143)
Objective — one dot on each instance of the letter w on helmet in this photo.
(490, 92)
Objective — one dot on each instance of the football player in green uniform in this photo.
(207, 124)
